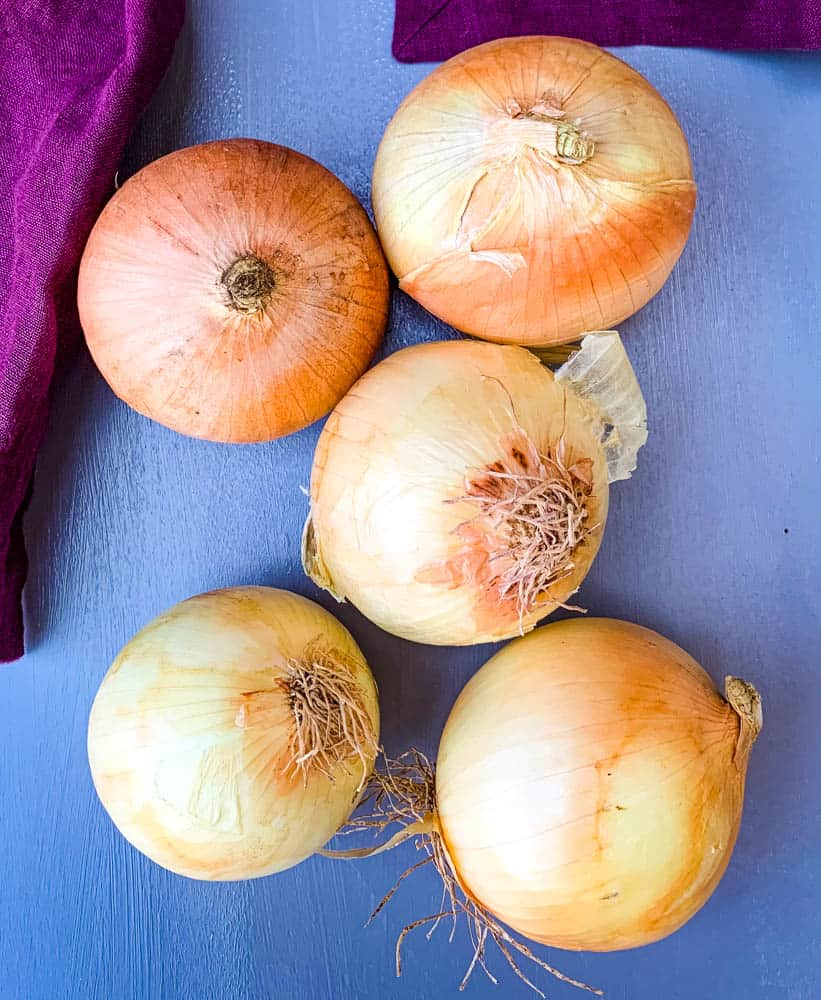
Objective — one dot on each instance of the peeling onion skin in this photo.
(155, 294)
(489, 228)
(590, 783)
(399, 447)
(188, 737)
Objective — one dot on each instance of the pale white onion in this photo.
(192, 738)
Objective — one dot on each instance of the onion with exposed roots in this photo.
(459, 492)
(531, 189)
(587, 794)
(232, 736)
(233, 291)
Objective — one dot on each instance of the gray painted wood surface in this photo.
(714, 542)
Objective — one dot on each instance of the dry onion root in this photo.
(530, 189)
(232, 735)
(404, 792)
(540, 516)
(330, 722)
(459, 491)
(588, 792)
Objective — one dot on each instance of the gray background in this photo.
(715, 542)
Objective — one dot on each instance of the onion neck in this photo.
(249, 283)
(746, 703)
(572, 144)
(544, 127)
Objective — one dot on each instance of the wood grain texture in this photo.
(715, 542)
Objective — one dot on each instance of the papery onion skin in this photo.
(392, 462)
(495, 233)
(188, 737)
(233, 291)
(590, 783)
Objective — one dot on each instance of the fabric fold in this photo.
(432, 30)
(74, 78)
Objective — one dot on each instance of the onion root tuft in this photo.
(331, 725)
(533, 514)
(405, 793)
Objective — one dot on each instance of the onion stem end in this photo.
(249, 284)
(746, 702)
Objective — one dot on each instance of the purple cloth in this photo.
(430, 30)
(74, 77)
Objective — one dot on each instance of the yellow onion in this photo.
(232, 735)
(459, 491)
(590, 783)
(533, 188)
(233, 291)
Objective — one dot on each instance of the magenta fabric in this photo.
(74, 77)
(430, 30)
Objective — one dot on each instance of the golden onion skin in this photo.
(392, 462)
(233, 291)
(590, 783)
(517, 232)
(188, 736)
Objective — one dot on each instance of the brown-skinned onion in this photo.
(233, 291)
(531, 189)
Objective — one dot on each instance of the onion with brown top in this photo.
(531, 189)
(233, 291)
